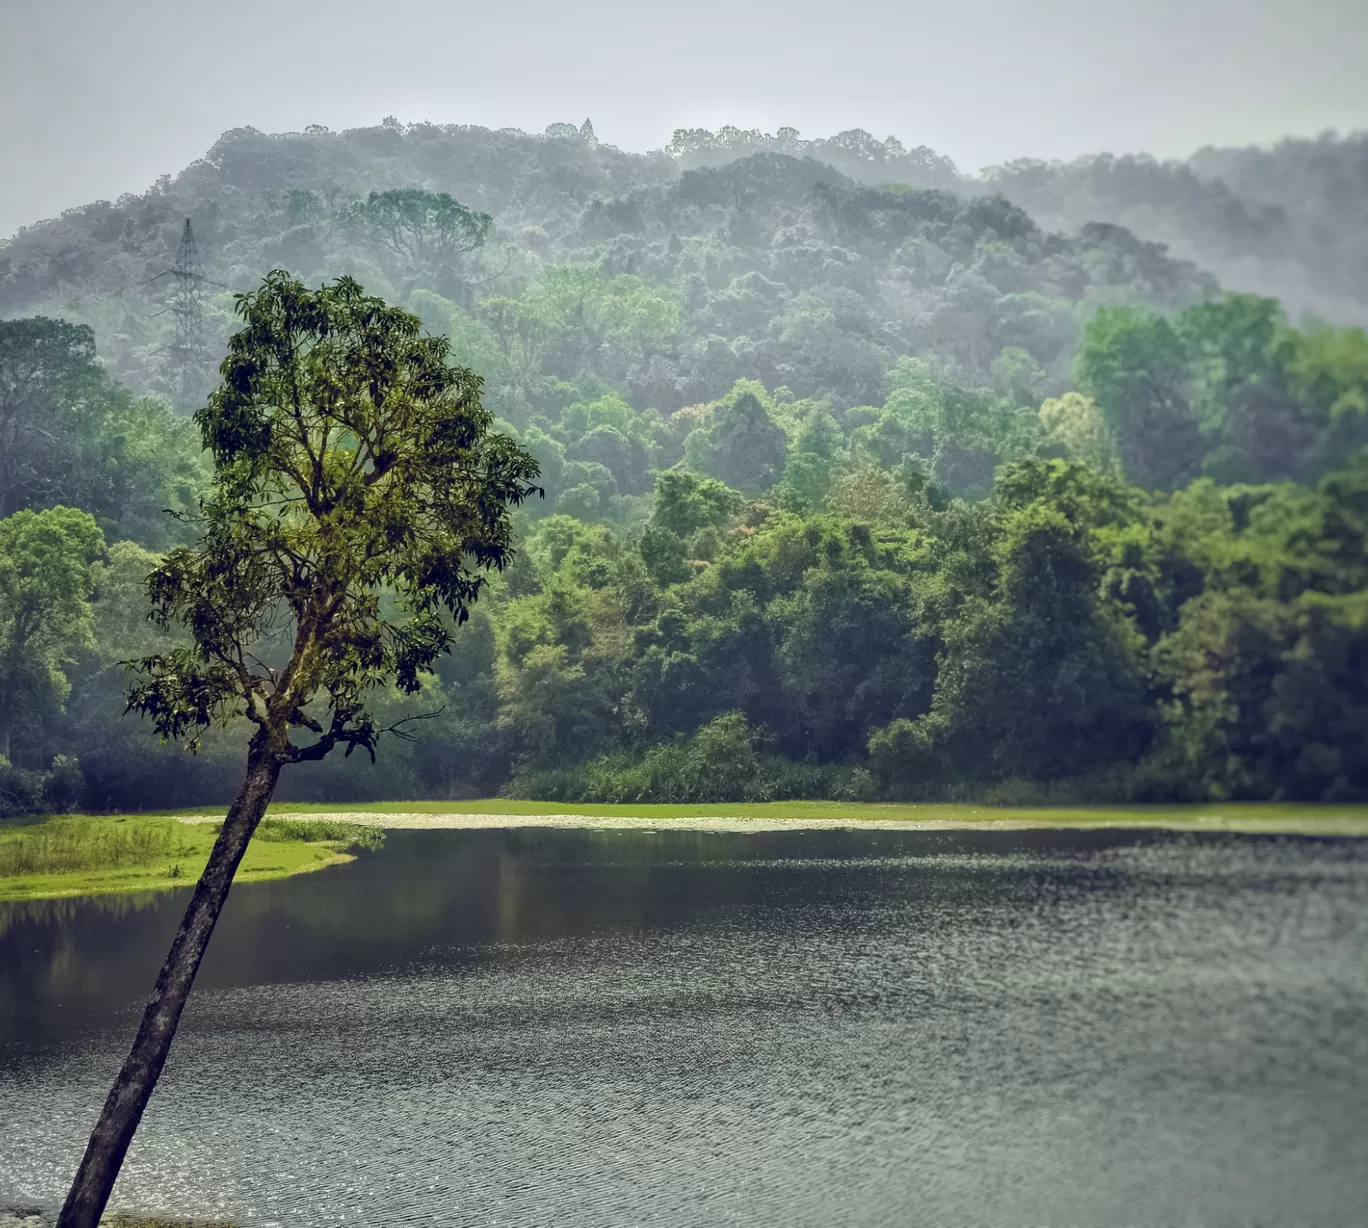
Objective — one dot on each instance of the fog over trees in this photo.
(863, 477)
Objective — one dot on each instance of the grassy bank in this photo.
(1286, 818)
(74, 855)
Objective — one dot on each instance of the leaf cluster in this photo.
(359, 500)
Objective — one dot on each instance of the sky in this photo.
(102, 96)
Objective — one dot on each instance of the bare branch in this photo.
(398, 730)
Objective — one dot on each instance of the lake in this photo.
(545, 1027)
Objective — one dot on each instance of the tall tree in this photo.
(351, 463)
(1042, 677)
(743, 447)
(1240, 343)
(45, 585)
(1136, 366)
(1074, 424)
(70, 435)
(427, 232)
(51, 387)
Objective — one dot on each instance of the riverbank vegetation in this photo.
(81, 855)
(74, 856)
(1270, 818)
(861, 482)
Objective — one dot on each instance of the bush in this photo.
(56, 791)
(319, 831)
(21, 792)
(721, 762)
(905, 763)
(63, 785)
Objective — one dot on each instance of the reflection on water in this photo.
(687, 1028)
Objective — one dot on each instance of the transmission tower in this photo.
(189, 290)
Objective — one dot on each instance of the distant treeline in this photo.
(728, 221)
(863, 477)
(1143, 576)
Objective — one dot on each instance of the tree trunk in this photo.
(124, 1109)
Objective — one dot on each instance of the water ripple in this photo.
(784, 1029)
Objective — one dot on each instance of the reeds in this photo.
(316, 831)
(77, 843)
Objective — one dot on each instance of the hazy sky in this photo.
(101, 96)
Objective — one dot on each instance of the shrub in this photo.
(63, 785)
(721, 762)
(320, 831)
(21, 792)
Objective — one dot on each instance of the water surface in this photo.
(691, 1028)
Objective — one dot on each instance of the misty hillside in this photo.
(809, 264)
(852, 467)
(1290, 222)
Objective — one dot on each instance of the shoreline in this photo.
(77, 856)
(770, 817)
(179, 863)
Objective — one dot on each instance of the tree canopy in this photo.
(805, 412)
(69, 434)
(350, 459)
(45, 616)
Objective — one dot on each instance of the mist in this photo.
(110, 96)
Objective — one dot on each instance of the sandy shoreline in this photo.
(415, 820)
(734, 823)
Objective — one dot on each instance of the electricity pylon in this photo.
(187, 305)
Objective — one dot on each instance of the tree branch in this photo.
(339, 734)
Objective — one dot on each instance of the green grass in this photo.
(314, 831)
(71, 845)
(79, 855)
(1308, 818)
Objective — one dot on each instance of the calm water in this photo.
(572, 1028)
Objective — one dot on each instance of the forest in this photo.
(862, 478)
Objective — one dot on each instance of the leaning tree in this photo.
(359, 501)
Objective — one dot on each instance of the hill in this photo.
(862, 479)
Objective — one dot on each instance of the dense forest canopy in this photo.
(863, 477)
(1286, 222)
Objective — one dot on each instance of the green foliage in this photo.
(349, 460)
(946, 504)
(722, 762)
(321, 831)
(686, 503)
(1226, 388)
(424, 232)
(70, 435)
(1075, 425)
(50, 384)
(1270, 698)
(1328, 371)
(46, 561)
(849, 653)
(956, 436)
(669, 278)
(1276, 220)
(1134, 365)
(157, 472)
(742, 446)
